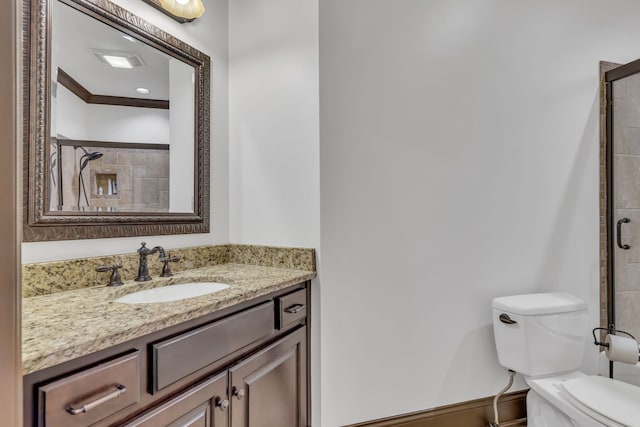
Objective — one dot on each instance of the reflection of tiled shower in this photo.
(139, 176)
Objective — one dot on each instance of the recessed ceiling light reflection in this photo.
(142, 90)
(128, 37)
(117, 61)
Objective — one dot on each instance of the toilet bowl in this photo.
(542, 337)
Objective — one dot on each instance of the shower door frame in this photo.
(608, 77)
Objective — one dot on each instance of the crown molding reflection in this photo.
(91, 98)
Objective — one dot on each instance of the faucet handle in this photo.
(143, 248)
(166, 270)
(115, 279)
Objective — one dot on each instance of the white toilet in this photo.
(542, 337)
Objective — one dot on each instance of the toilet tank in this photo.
(540, 334)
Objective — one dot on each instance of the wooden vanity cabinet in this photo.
(259, 380)
(270, 388)
(267, 389)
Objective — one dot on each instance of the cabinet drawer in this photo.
(91, 395)
(291, 307)
(180, 356)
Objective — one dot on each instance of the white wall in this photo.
(96, 122)
(274, 141)
(459, 162)
(126, 124)
(209, 35)
(68, 115)
(182, 101)
(273, 122)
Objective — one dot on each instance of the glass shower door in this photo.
(624, 174)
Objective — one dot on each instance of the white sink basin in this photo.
(172, 293)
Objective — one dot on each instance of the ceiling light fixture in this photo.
(142, 90)
(189, 9)
(117, 61)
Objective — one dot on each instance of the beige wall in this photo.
(10, 396)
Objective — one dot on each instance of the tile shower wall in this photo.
(626, 137)
(142, 177)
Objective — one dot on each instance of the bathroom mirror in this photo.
(117, 130)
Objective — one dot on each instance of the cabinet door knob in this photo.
(222, 403)
(238, 393)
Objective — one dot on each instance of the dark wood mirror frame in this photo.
(40, 224)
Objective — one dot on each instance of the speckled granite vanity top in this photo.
(62, 326)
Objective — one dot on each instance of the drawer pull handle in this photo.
(296, 308)
(88, 406)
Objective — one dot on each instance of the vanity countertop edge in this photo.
(63, 326)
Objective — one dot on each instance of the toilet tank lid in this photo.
(543, 303)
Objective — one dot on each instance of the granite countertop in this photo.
(66, 325)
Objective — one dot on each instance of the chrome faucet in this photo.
(143, 269)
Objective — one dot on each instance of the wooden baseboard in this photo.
(474, 413)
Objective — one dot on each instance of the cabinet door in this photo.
(203, 405)
(270, 388)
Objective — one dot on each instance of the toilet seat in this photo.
(609, 401)
(551, 389)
